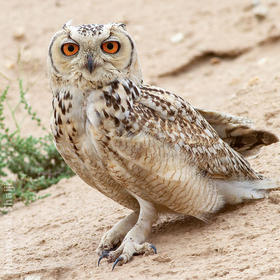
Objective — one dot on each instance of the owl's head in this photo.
(94, 53)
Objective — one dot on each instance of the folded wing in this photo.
(238, 132)
(185, 129)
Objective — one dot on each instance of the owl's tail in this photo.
(235, 191)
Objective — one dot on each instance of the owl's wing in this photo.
(151, 170)
(184, 129)
(238, 132)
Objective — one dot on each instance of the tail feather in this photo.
(235, 191)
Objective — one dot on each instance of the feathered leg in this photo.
(134, 242)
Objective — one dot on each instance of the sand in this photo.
(221, 55)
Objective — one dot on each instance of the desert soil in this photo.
(222, 55)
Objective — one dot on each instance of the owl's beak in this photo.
(89, 64)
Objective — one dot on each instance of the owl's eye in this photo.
(70, 49)
(110, 47)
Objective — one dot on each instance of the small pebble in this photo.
(162, 258)
(262, 61)
(10, 65)
(177, 38)
(234, 82)
(260, 12)
(215, 60)
(274, 197)
(19, 34)
(32, 277)
(254, 81)
(57, 3)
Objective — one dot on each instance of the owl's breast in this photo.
(79, 140)
(84, 123)
(69, 126)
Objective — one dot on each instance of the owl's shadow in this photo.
(174, 223)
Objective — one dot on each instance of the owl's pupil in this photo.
(70, 48)
(110, 46)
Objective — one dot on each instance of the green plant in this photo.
(27, 164)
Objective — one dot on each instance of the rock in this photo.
(32, 277)
(215, 60)
(177, 38)
(274, 197)
(260, 12)
(162, 258)
(254, 81)
(10, 65)
(19, 34)
(262, 61)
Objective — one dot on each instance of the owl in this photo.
(142, 146)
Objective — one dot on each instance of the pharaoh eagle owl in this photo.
(142, 146)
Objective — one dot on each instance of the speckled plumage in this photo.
(140, 145)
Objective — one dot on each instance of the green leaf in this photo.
(32, 162)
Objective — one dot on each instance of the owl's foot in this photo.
(134, 241)
(112, 238)
(129, 249)
(125, 252)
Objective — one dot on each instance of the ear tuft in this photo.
(66, 25)
(122, 25)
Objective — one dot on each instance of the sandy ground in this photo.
(221, 55)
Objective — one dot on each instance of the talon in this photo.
(116, 262)
(154, 248)
(103, 255)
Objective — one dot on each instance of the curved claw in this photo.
(103, 255)
(154, 248)
(116, 262)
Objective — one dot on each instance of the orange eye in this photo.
(70, 49)
(111, 47)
